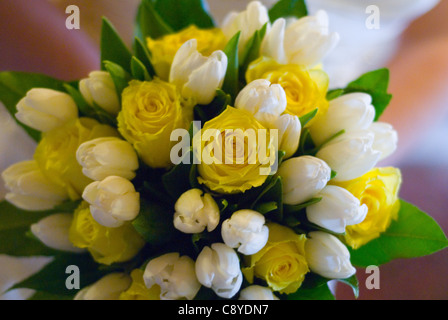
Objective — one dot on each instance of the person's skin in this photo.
(419, 81)
(33, 38)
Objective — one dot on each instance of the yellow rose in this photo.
(231, 159)
(138, 290)
(305, 90)
(150, 112)
(164, 49)
(56, 153)
(281, 263)
(106, 245)
(378, 189)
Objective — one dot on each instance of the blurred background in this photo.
(412, 41)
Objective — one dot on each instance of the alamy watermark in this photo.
(373, 21)
(73, 21)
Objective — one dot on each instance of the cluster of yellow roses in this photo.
(283, 85)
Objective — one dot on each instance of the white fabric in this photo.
(362, 49)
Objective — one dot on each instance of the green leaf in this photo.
(139, 70)
(231, 80)
(15, 225)
(272, 193)
(179, 179)
(252, 51)
(288, 8)
(52, 278)
(205, 113)
(144, 55)
(266, 207)
(333, 94)
(374, 83)
(308, 117)
(155, 223)
(353, 283)
(414, 234)
(333, 174)
(306, 144)
(300, 207)
(179, 14)
(91, 111)
(84, 108)
(150, 23)
(119, 76)
(15, 85)
(113, 48)
(313, 288)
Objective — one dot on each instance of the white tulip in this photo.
(245, 231)
(257, 293)
(196, 211)
(197, 76)
(218, 268)
(99, 89)
(46, 109)
(53, 231)
(113, 201)
(29, 189)
(303, 178)
(104, 157)
(349, 112)
(262, 99)
(109, 287)
(289, 131)
(351, 155)
(248, 21)
(386, 138)
(337, 209)
(305, 42)
(327, 256)
(174, 275)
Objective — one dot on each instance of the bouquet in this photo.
(207, 162)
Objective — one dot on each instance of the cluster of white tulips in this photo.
(110, 162)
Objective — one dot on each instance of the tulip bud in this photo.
(386, 139)
(337, 209)
(257, 293)
(46, 109)
(104, 157)
(29, 189)
(305, 42)
(252, 19)
(107, 288)
(289, 131)
(327, 256)
(196, 211)
(174, 275)
(112, 201)
(261, 98)
(349, 112)
(99, 89)
(218, 268)
(53, 231)
(303, 178)
(351, 155)
(245, 231)
(197, 76)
